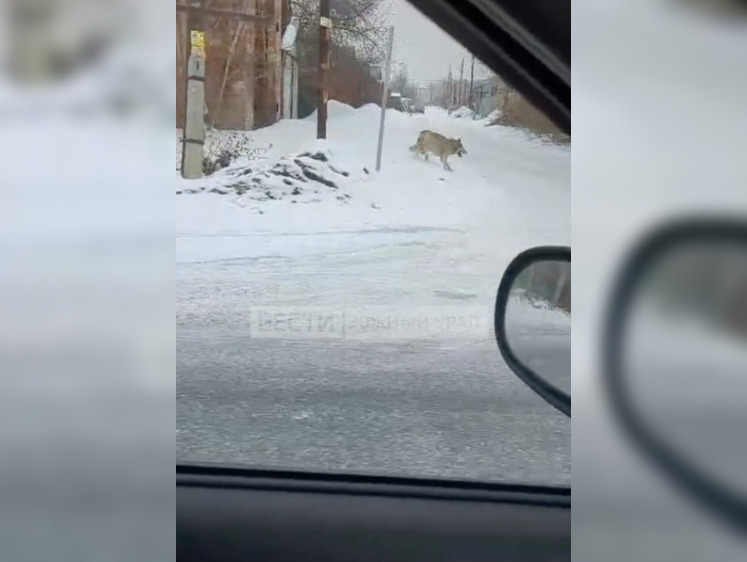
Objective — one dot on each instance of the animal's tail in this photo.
(421, 136)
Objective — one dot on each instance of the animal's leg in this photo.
(446, 164)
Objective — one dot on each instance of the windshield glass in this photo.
(332, 316)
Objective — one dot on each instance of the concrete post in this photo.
(193, 142)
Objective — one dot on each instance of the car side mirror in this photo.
(675, 359)
(533, 322)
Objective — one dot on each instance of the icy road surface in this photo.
(357, 335)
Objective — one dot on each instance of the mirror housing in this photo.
(559, 399)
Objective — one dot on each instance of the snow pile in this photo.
(249, 165)
(463, 113)
(526, 310)
(301, 178)
(493, 117)
(337, 111)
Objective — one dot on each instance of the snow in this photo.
(671, 349)
(529, 314)
(493, 116)
(463, 113)
(412, 239)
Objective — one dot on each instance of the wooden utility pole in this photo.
(471, 82)
(193, 139)
(325, 24)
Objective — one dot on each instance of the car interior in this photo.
(229, 513)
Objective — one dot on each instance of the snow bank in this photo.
(509, 192)
(370, 110)
(463, 113)
(302, 178)
(493, 116)
(335, 111)
(530, 314)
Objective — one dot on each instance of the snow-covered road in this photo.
(398, 281)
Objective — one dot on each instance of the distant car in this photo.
(406, 105)
(396, 101)
(412, 107)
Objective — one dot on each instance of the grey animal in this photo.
(441, 146)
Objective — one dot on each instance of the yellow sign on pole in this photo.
(198, 42)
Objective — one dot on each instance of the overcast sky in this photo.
(426, 49)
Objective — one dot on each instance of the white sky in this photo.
(426, 49)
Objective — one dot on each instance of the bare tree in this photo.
(460, 100)
(401, 82)
(471, 82)
(357, 24)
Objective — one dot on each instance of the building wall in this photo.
(243, 66)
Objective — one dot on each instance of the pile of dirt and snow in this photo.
(305, 177)
(248, 165)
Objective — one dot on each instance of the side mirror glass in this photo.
(533, 322)
(676, 359)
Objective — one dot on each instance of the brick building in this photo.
(243, 68)
(246, 67)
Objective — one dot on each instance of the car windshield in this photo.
(335, 306)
